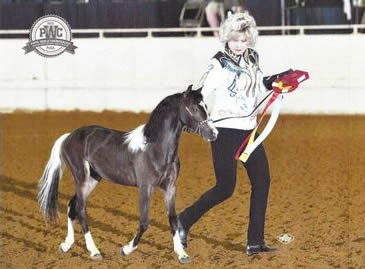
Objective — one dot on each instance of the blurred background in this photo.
(84, 14)
(147, 49)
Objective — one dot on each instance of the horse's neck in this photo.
(168, 138)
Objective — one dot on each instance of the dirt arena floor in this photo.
(317, 195)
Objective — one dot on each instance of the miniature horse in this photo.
(146, 157)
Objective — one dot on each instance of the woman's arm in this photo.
(211, 78)
(210, 81)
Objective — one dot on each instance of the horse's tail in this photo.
(48, 183)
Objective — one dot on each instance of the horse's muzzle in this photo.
(207, 130)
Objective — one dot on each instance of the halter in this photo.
(200, 123)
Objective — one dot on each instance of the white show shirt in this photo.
(232, 87)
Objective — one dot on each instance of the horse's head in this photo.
(194, 115)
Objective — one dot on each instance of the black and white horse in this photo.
(146, 157)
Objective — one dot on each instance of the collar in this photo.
(235, 58)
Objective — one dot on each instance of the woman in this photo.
(231, 88)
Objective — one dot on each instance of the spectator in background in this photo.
(360, 3)
(235, 6)
(214, 12)
(347, 9)
(358, 13)
(328, 11)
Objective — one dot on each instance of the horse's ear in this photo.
(188, 90)
(199, 90)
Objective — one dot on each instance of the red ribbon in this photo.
(268, 104)
(284, 84)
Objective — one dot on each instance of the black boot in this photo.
(183, 233)
(255, 249)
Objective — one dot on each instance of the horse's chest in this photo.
(165, 173)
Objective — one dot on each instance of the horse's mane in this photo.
(167, 107)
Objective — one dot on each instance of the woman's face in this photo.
(238, 43)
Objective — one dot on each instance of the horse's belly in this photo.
(120, 176)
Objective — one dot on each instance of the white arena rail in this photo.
(198, 31)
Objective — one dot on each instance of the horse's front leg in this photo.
(144, 204)
(170, 194)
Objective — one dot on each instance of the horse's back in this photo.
(96, 129)
(105, 151)
(92, 133)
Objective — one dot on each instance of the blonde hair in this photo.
(239, 23)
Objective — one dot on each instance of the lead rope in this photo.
(246, 116)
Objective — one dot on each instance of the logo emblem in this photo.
(50, 36)
(285, 238)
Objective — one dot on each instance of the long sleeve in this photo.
(210, 81)
(231, 90)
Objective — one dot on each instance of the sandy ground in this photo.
(317, 195)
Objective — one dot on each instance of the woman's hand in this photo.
(270, 79)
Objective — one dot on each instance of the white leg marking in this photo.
(70, 238)
(86, 190)
(178, 247)
(90, 245)
(128, 249)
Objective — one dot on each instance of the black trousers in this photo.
(225, 167)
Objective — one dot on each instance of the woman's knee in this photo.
(225, 191)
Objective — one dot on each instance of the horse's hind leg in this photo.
(84, 186)
(71, 214)
(90, 245)
(170, 194)
(144, 204)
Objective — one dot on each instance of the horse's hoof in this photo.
(127, 249)
(63, 248)
(60, 250)
(184, 259)
(97, 257)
